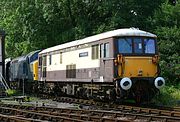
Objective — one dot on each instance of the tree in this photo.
(39, 24)
(166, 24)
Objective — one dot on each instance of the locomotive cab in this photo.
(136, 67)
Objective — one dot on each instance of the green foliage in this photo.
(170, 52)
(167, 16)
(10, 92)
(168, 96)
(166, 24)
(38, 24)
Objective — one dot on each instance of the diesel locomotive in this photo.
(117, 64)
(22, 69)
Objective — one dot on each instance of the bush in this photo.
(169, 96)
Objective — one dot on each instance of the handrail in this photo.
(3, 81)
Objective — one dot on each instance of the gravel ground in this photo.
(39, 102)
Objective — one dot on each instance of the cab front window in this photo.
(125, 45)
(136, 45)
(149, 45)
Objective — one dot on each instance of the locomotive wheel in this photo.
(138, 99)
(112, 95)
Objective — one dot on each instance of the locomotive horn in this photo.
(159, 82)
(126, 83)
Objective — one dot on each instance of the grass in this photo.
(10, 92)
(169, 96)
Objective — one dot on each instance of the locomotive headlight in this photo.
(126, 83)
(159, 82)
(155, 59)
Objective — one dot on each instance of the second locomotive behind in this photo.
(23, 69)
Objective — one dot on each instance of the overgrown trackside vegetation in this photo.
(38, 24)
(169, 95)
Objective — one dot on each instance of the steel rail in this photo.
(6, 118)
(13, 113)
(95, 115)
(113, 114)
(174, 111)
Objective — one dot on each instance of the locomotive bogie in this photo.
(96, 91)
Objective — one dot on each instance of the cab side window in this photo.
(104, 50)
(95, 51)
(50, 59)
(60, 57)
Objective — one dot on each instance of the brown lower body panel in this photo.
(81, 75)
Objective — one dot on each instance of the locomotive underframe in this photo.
(141, 90)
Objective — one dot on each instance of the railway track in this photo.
(108, 105)
(116, 106)
(28, 115)
(125, 114)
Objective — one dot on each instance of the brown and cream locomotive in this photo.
(118, 64)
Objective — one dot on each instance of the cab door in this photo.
(42, 68)
(44, 65)
(106, 61)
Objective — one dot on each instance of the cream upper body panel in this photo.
(72, 57)
(114, 33)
